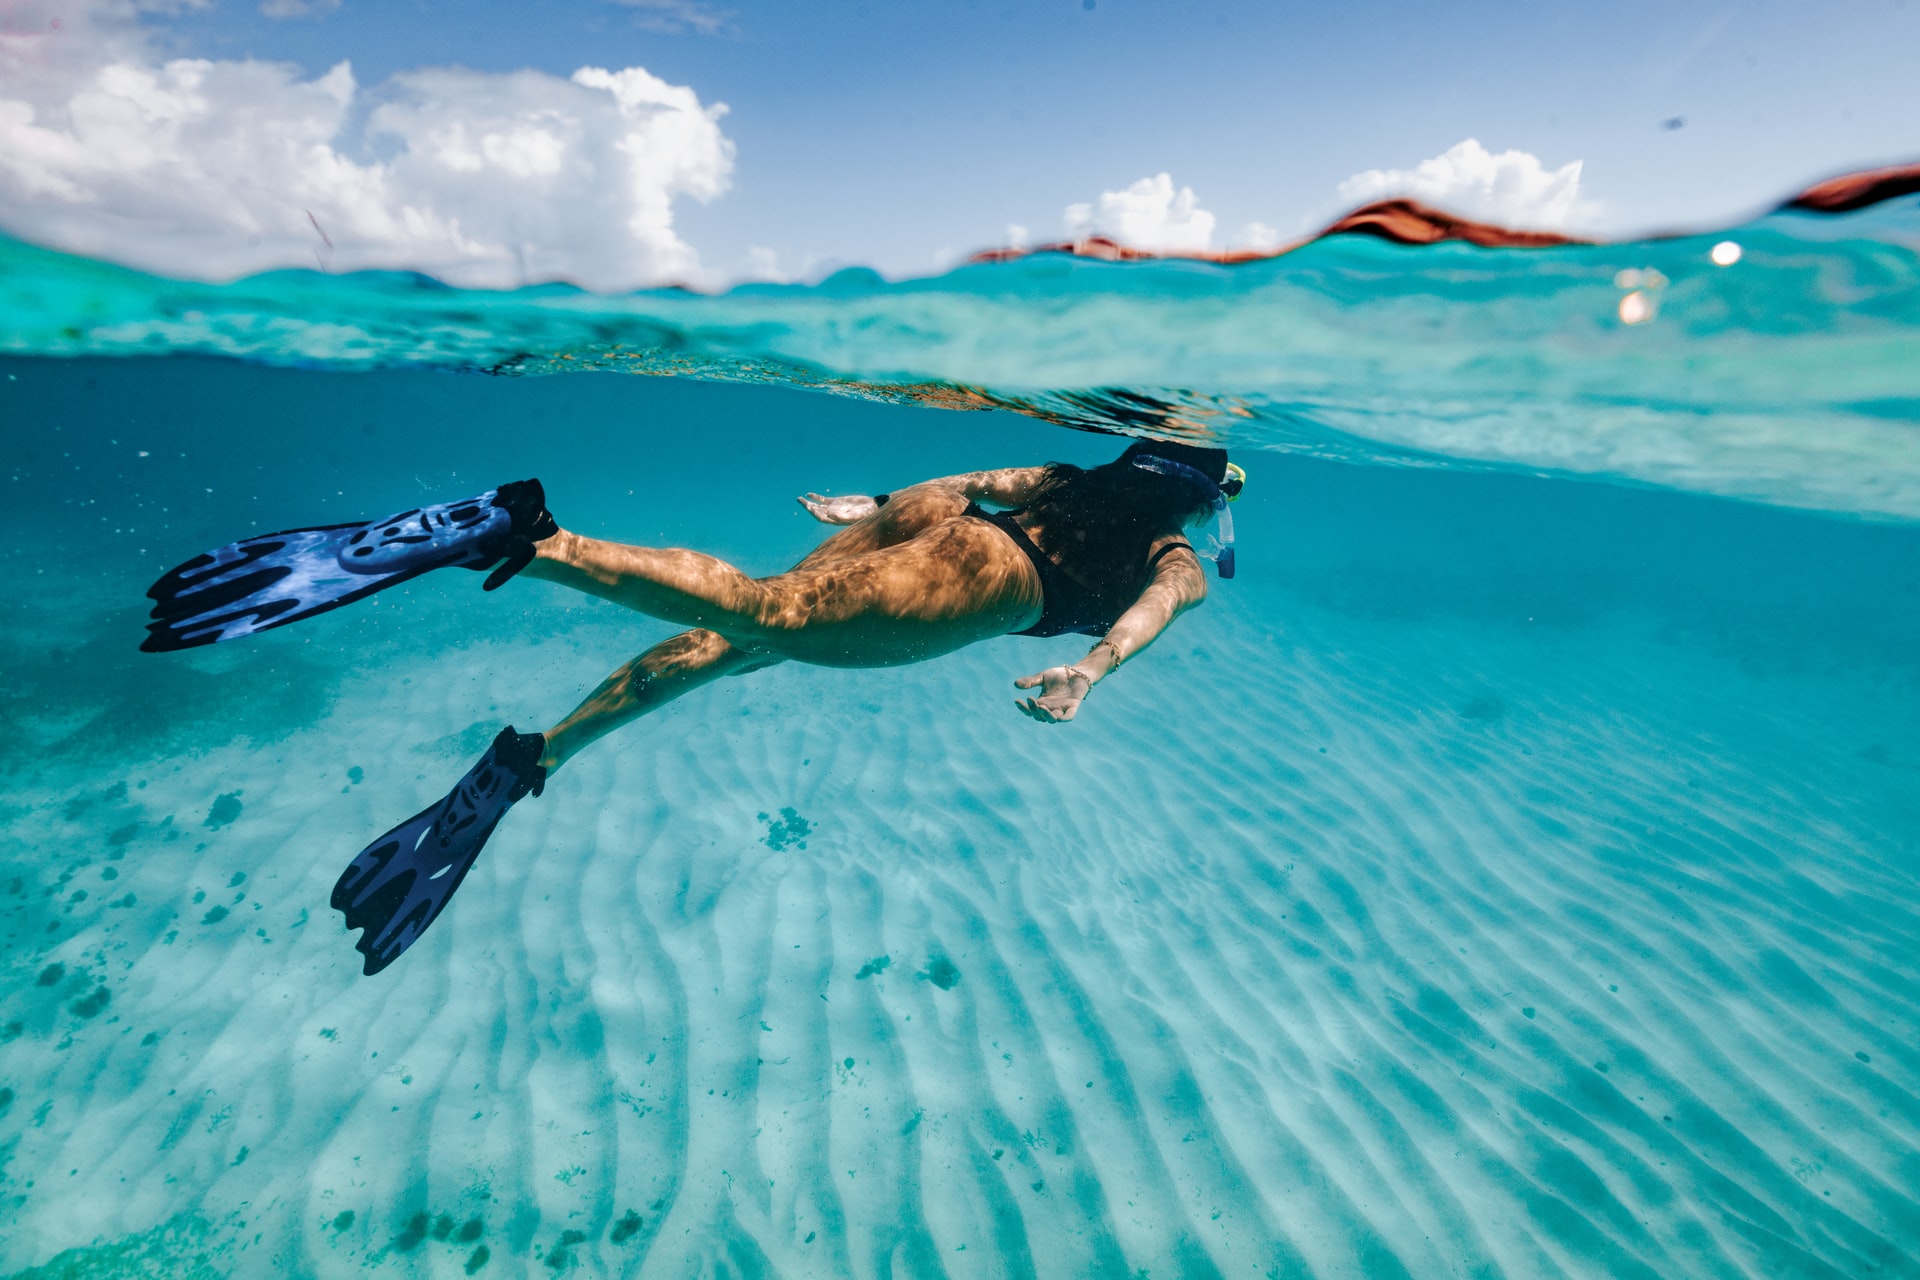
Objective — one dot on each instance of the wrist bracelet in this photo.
(1112, 648)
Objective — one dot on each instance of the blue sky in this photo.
(902, 134)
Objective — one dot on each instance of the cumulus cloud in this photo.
(1258, 235)
(1512, 188)
(217, 168)
(1150, 214)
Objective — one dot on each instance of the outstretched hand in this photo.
(848, 508)
(1062, 689)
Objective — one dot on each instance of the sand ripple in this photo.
(1430, 951)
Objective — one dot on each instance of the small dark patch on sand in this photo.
(442, 1227)
(343, 1220)
(51, 975)
(214, 916)
(412, 1234)
(478, 1259)
(561, 1255)
(94, 1004)
(788, 829)
(356, 775)
(470, 1230)
(226, 807)
(626, 1229)
(1863, 1057)
(941, 972)
(876, 965)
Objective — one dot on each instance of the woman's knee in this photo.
(687, 652)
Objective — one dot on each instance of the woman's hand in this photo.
(848, 508)
(1062, 689)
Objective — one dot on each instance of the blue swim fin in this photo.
(276, 578)
(399, 884)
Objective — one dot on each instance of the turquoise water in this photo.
(1512, 872)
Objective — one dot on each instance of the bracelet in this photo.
(1112, 648)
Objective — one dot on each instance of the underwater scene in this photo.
(1512, 870)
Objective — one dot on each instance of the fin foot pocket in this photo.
(399, 884)
(268, 581)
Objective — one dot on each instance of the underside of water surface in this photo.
(1511, 872)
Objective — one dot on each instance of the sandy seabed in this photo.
(1324, 945)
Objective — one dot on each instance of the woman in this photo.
(912, 575)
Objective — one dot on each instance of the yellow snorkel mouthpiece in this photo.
(1236, 480)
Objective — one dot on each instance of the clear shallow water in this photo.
(1505, 875)
(1788, 377)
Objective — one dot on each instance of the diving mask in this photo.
(1218, 549)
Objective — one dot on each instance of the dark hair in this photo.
(1098, 523)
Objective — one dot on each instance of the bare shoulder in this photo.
(1177, 564)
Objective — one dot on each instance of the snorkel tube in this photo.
(1219, 549)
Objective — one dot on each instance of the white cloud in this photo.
(763, 264)
(297, 8)
(1150, 214)
(1258, 235)
(218, 168)
(675, 17)
(1512, 188)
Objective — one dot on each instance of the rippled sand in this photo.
(1457, 949)
(1503, 877)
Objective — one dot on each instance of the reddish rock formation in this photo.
(1852, 191)
(1407, 221)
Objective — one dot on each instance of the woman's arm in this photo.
(1004, 487)
(1179, 583)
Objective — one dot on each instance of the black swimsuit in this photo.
(1065, 605)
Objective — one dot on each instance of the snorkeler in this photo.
(912, 575)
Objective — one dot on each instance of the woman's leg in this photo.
(655, 678)
(693, 658)
(948, 584)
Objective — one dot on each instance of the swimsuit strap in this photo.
(1159, 555)
(1065, 605)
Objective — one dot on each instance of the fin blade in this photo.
(398, 885)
